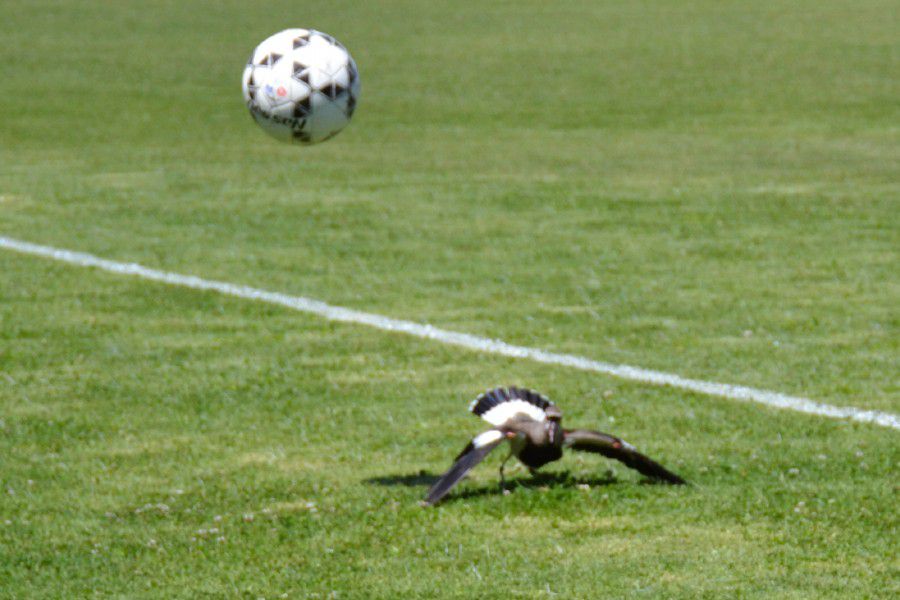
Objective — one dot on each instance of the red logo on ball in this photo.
(281, 91)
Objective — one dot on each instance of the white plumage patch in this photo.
(502, 413)
(488, 437)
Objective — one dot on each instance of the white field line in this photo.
(472, 342)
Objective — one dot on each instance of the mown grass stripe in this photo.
(464, 340)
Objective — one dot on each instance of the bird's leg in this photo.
(502, 465)
(511, 436)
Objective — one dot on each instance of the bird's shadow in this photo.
(561, 479)
(410, 480)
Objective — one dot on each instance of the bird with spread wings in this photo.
(533, 427)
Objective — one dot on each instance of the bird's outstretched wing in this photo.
(613, 447)
(471, 455)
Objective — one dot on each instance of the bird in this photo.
(532, 425)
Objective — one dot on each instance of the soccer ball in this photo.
(301, 86)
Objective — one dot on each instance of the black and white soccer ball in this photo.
(301, 86)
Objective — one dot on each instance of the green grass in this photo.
(705, 188)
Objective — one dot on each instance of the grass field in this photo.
(704, 188)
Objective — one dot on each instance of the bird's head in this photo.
(552, 425)
(553, 413)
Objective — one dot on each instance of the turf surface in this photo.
(703, 188)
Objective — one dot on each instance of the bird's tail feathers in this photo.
(499, 395)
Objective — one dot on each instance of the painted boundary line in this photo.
(464, 340)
